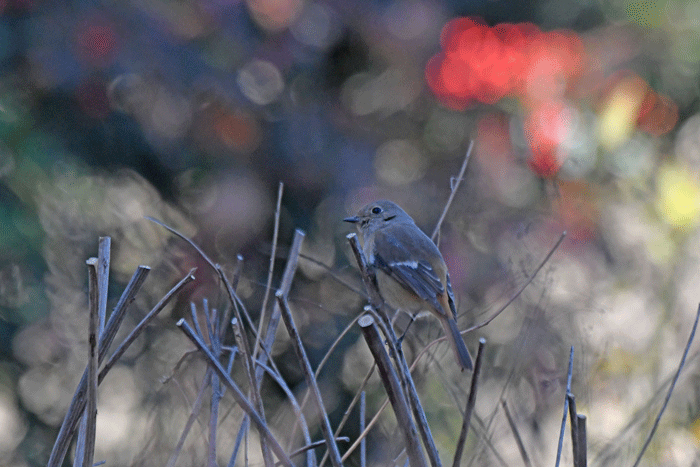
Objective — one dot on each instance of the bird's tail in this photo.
(455, 339)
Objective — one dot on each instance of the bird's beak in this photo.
(352, 220)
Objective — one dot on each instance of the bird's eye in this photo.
(376, 210)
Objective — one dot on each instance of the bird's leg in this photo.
(405, 331)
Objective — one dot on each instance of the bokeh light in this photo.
(678, 197)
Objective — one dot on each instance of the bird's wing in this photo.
(397, 253)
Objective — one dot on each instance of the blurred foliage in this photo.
(584, 116)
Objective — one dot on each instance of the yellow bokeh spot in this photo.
(618, 118)
(695, 429)
(678, 197)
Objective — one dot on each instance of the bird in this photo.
(410, 270)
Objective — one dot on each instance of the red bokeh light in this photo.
(545, 128)
(96, 41)
(480, 63)
(485, 64)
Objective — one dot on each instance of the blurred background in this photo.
(584, 118)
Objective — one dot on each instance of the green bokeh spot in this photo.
(646, 14)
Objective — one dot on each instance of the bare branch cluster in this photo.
(251, 351)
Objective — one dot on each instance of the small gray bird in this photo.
(411, 272)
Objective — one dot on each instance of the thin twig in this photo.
(77, 404)
(331, 273)
(334, 345)
(489, 444)
(315, 445)
(196, 407)
(195, 319)
(363, 444)
(520, 290)
(285, 287)
(226, 319)
(242, 401)
(606, 453)
(271, 268)
(569, 374)
(309, 377)
(516, 435)
(293, 401)
(320, 366)
(471, 402)
(670, 389)
(216, 391)
(208, 321)
(348, 410)
(453, 191)
(185, 238)
(394, 391)
(242, 432)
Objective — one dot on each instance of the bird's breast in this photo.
(397, 296)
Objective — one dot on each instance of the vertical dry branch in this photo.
(285, 286)
(574, 428)
(87, 453)
(363, 443)
(582, 443)
(309, 377)
(98, 274)
(471, 402)
(242, 433)
(566, 405)
(394, 391)
(271, 268)
(216, 391)
(77, 405)
(104, 256)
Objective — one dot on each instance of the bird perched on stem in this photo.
(411, 273)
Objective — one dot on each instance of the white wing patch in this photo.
(410, 264)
